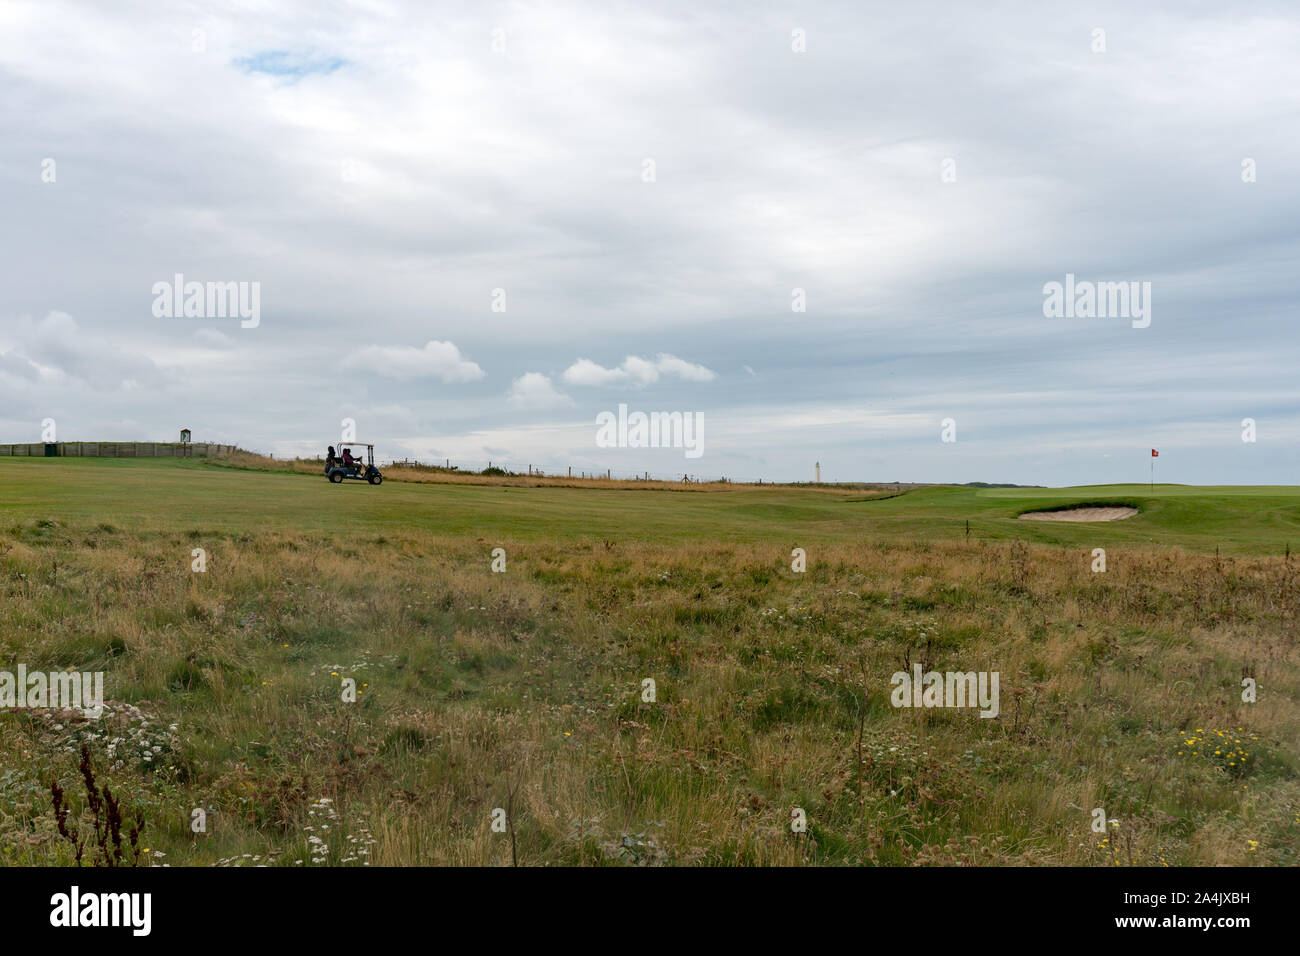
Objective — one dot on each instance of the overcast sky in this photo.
(921, 171)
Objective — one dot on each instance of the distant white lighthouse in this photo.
(817, 470)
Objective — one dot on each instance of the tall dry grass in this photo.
(524, 689)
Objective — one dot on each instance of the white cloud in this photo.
(13, 362)
(688, 371)
(535, 390)
(636, 371)
(586, 372)
(441, 360)
(58, 349)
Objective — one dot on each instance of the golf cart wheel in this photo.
(376, 479)
(336, 477)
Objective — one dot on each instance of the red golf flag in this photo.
(1154, 453)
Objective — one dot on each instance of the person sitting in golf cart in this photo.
(348, 460)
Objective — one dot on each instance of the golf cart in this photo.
(336, 470)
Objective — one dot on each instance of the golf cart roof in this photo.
(355, 444)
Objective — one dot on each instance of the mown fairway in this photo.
(1120, 690)
(178, 496)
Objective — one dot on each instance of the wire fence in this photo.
(494, 466)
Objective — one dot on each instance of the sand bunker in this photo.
(1082, 514)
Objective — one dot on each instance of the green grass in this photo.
(162, 495)
(772, 686)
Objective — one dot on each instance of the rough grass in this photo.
(523, 690)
